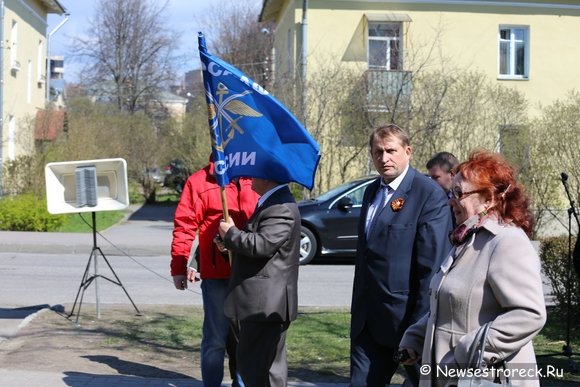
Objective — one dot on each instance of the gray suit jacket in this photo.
(495, 278)
(264, 278)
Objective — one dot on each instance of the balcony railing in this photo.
(387, 89)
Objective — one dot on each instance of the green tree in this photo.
(98, 131)
(237, 38)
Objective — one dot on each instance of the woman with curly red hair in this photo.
(492, 275)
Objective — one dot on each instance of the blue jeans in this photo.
(216, 328)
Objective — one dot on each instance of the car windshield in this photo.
(337, 190)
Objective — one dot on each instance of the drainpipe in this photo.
(303, 62)
(48, 54)
(1, 97)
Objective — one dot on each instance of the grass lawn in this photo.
(549, 345)
(82, 222)
(318, 342)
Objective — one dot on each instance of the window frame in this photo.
(510, 75)
(388, 39)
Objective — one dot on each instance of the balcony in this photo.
(387, 90)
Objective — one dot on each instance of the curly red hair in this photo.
(492, 172)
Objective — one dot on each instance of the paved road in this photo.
(41, 278)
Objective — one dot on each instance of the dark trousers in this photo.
(261, 353)
(231, 345)
(372, 364)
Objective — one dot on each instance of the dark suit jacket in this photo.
(264, 279)
(395, 262)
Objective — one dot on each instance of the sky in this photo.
(183, 15)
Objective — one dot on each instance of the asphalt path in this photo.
(40, 278)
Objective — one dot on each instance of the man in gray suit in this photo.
(402, 240)
(262, 294)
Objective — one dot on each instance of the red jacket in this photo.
(200, 211)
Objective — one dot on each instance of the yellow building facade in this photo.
(525, 46)
(528, 45)
(23, 71)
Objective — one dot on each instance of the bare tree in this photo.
(129, 52)
(235, 36)
(556, 144)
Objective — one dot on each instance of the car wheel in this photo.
(308, 246)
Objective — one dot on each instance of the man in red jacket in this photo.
(199, 212)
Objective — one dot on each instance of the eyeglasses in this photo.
(459, 194)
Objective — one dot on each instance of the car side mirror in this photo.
(345, 203)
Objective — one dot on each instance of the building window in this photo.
(14, 45)
(39, 61)
(384, 50)
(513, 52)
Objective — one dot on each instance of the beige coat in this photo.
(495, 276)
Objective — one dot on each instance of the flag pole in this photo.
(226, 215)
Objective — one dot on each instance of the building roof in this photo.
(49, 124)
(54, 6)
(270, 8)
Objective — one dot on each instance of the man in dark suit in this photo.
(262, 294)
(402, 240)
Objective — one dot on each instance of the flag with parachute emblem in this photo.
(253, 134)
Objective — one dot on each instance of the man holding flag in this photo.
(263, 290)
(254, 135)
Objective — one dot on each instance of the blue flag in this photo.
(253, 135)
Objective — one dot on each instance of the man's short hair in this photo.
(444, 160)
(389, 130)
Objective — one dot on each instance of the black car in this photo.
(176, 175)
(329, 222)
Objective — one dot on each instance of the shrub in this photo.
(554, 256)
(27, 213)
(24, 175)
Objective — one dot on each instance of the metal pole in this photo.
(96, 275)
(303, 61)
